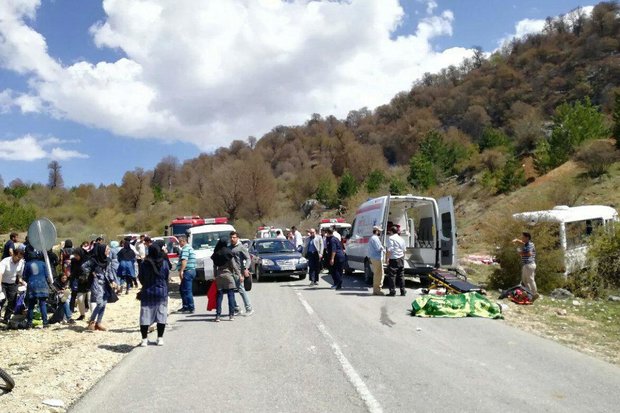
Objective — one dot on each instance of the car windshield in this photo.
(207, 240)
(275, 246)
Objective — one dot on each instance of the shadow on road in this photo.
(119, 348)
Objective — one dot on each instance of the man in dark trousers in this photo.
(313, 251)
(396, 262)
(336, 259)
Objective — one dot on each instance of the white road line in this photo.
(352, 375)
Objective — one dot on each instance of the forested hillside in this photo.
(495, 123)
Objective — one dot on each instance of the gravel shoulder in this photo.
(63, 361)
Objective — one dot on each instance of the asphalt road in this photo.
(319, 350)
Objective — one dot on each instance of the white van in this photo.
(426, 224)
(575, 225)
(203, 238)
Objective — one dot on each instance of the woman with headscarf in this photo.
(126, 264)
(80, 282)
(114, 263)
(98, 269)
(38, 279)
(224, 270)
(153, 276)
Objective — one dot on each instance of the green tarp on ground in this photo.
(471, 304)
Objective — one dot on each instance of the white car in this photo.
(203, 239)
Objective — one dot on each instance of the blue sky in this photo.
(181, 81)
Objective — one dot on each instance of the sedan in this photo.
(275, 257)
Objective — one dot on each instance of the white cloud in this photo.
(60, 154)
(29, 148)
(210, 72)
(431, 6)
(529, 26)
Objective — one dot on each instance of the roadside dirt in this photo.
(64, 361)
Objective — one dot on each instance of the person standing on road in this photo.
(11, 270)
(140, 255)
(38, 279)
(226, 273)
(313, 251)
(98, 269)
(528, 263)
(297, 239)
(336, 259)
(9, 246)
(154, 293)
(80, 282)
(242, 265)
(396, 261)
(187, 272)
(376, 252)
(126, 265)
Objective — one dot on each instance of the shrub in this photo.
(374, 181)
(347, 186)
(597, 157)
(604, 256)
(549, 257)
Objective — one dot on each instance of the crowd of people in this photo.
(86, 278)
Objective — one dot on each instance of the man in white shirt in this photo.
(11, 269)
(337, 234)
(396, 262)
(297, 239)
(280, 235)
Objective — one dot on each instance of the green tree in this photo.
(492, 137)
(512, 176)
(347, 186)
(573, 125)
(397, 186)
(422, 174)
(374, 181)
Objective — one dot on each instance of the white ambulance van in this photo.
(426, 224)
(574, 227)
(203, 238)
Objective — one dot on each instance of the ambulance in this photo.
(426, 224)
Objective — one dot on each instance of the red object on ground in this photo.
(212, 297)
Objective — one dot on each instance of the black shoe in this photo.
(403, 292)
(182, 310)
(391, 294)
(80, 318)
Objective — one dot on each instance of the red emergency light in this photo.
(219, 220)
(332, 221)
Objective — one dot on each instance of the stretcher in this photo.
(453, 283)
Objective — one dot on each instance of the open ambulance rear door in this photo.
(447, 232)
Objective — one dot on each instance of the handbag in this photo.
(112, 296)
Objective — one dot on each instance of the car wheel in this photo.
(348, 271)
(368, 275)
(258, 272)
(302, 276)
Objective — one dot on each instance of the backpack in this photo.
(518, 295)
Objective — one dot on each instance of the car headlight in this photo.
(266, 261)
(302, 260)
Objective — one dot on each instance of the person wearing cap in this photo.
(396, 261)
(376, 252)
(11, 269)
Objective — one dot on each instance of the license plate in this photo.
(287, 267)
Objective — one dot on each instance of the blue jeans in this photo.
(42, 306)
(66, 309)
(97, 313)
(244, 295)
(187, 296)
(231, 301)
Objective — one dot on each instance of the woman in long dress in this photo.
(224, 270)
(103, 280)
(153, 276)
